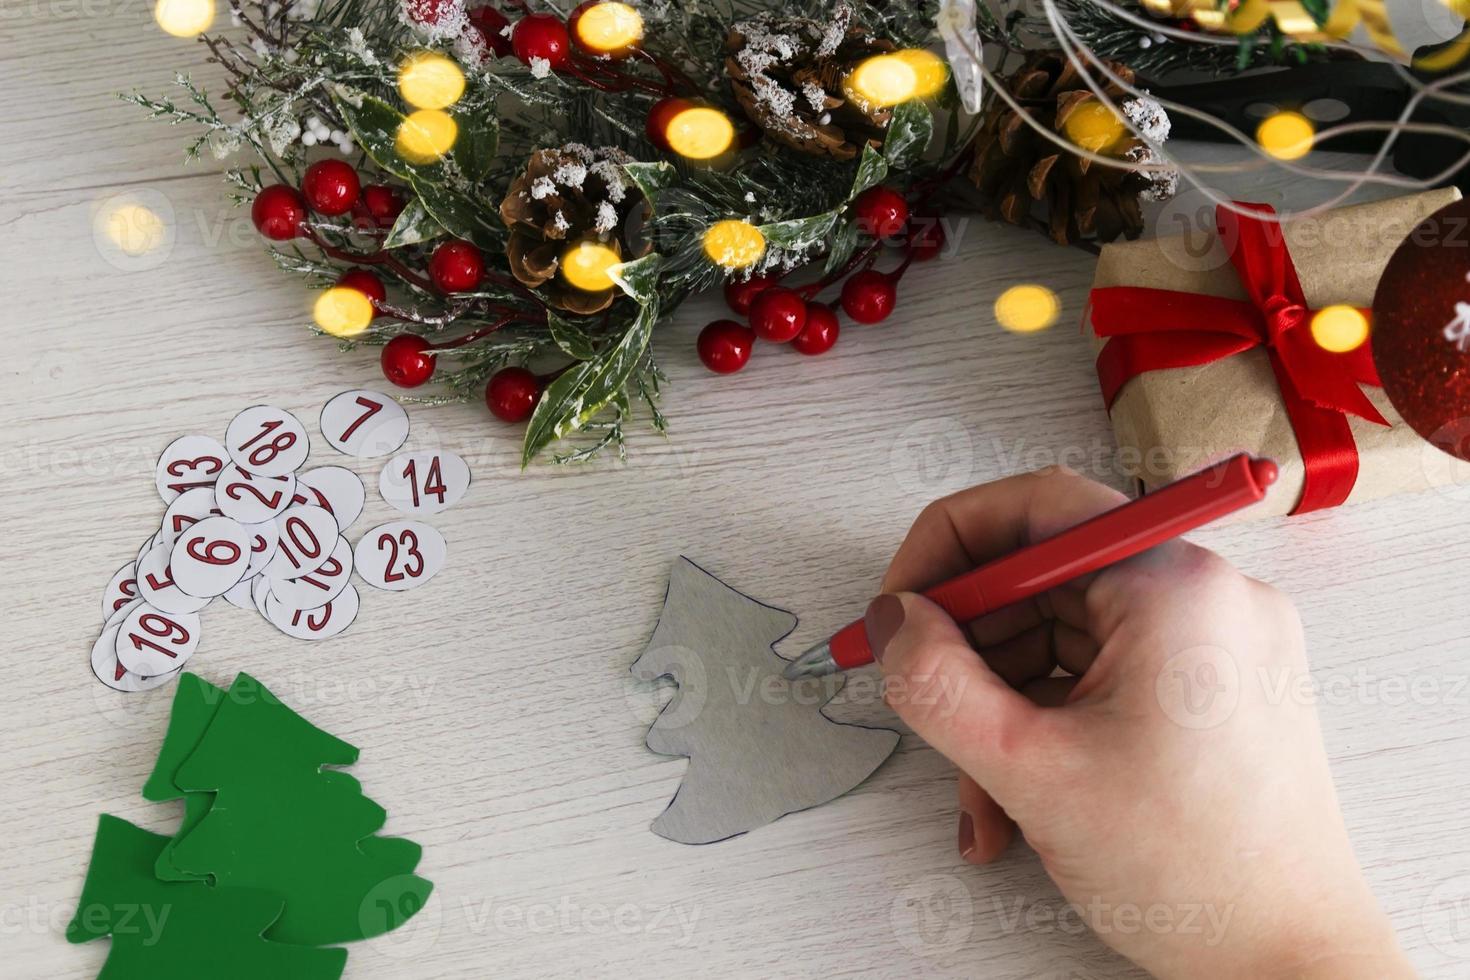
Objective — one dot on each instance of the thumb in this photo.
(940, 687)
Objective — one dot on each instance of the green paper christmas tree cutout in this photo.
(196, 701)
(169, 930)
(279, 822)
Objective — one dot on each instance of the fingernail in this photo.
(883, 618)
(966, 837)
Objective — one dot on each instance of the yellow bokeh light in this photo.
(429, 80)
(134, 229)
(700, 133)
(587, 264)
(1285, 135)
(426, 135)
(930, 71)
(184, 18)
(1339, 328)
(609, 27)
(883, 80)
(1093, 126)
(1027, 309)
(734, 244)
(343, 311)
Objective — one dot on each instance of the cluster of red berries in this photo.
(544, 36)
(790, 315)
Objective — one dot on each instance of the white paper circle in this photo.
(210, 557)
(307, 534)
(314, 624)
(152, 642)
(239, 594)
(321, 586)
(188, 463)
(121, 590)
(156, 584)
(267, 441)
(252, 499)
(424, 482)
(152, 541)
(364, 424)
(263, 539)
(259, 593)
(335, 488)
(399, 555)
(113, 674)
(188, 508)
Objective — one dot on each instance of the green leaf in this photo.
(575, 398)
(460, 215)
(477, 144)
(570, 337)
(651, 177)
(908, 134)
(639, 278)
(413, 226)
(800, 234)
(374, 124)
(872, 168)
(843, 242)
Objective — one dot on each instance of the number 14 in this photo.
(433, 480)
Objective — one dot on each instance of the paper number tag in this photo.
(400, 555)
(267, 441)
(307, 533)
(424, 482)
(335, 488)
(314, 624)
(188, 508)
(210, 557)
(321, 586)
(121, 590)
(188, 463)
(156, 584)
(364, 424)
(263, 539)
(105, 663)
(152, 642)
(252, 499)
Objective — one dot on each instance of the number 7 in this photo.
(373, 408)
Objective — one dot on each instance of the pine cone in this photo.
(563, 196)
(787, 76)
(1015, 167)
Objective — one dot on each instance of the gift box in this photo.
(1206, 348)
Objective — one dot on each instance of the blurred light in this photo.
(1094, 127)
(133, 228)
(700, 133)
(734, 244)
(609, 28)
(1339, 328)
(343, 311)
(184, 18)
(883, 80)
(1286, 135)
(426, 135)
(930, 70)
(587, 263)
(1026, 309)
(429, 80)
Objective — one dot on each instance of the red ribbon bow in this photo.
(1153, 329)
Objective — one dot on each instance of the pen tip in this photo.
(815, 662)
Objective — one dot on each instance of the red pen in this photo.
(1107, 538)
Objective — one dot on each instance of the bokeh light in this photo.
(1339, 328)
(883, 80)
(133, 228)
(1093, 126)
(184, 18)
(429, 80)
(1027, 308)
(700, 133)
(343, 311)
(930, 70)
(609, 28)
(734, 244)
(587, 265)
(1286, 135)
(426, 135)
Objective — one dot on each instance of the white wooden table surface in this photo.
(492, 707)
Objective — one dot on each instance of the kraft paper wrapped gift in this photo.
(1232, 396)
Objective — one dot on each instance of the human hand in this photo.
(1157, 776)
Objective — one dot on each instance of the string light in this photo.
(883, 80)
(609, 28)
(700, 133)
(429, 80)
(343, 311)
(1027, 309)
(588, 265)
(734, 244)
(930, 71)
(184, 18)
(1286, 135)
(426, 135)
(1339, 328)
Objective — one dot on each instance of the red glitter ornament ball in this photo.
(1421, 330)
(456, 266)
(491, 24)
(739, 295)
(778, 314)
(366, 282)
(868, 296)
(278, 212)
(330, 187)
(512, 394)
(408, 360)
(881, 212)
(724, 346)
(541, 36)
(381, 204)
(820, 332)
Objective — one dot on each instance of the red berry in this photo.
(820, 332)
(778, 314)
(541, 36)
(408, 360)
(724, 346)
(456, 266)
(512, 394)
(868, 296)
(656, 126)
(425, 11)
(381, 204)
(330, 187)
(365, 282)
(881, 212)
(739, 295)
(926, 237)
(278, 212)
(491, 24)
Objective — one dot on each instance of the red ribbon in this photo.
(1154, 329)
